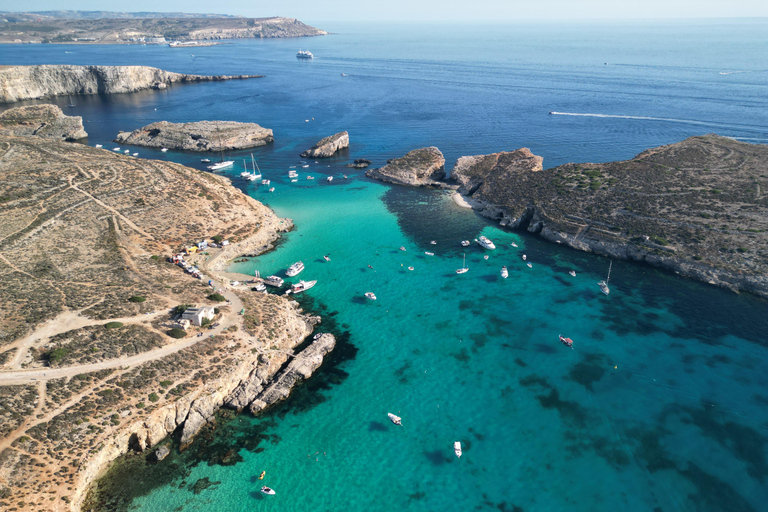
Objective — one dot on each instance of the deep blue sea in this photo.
(661, 405)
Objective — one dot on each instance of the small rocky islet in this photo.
(198, 136)
(328, 146)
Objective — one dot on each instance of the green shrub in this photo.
(113, 325)
(140, 405)
(166, 383)
(742, 249)
(153, 397)
(177, 333)
(155, 257)
(181, 308)
(216, 297)
(659, 240)
(216, 311)
(205, 321)
(217, 238)
(137, 298)
(57, 354)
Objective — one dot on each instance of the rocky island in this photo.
(103, 27)
(198, 136)
(328, 146)
(47, 121)
(420, 167)
(697, 207)
(19, 83)
(95, 360)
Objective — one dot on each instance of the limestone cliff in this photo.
(199, 136)
(424, 166)
(19, 83)
(47, 121)
(328, 146)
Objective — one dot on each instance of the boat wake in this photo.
(664, 119)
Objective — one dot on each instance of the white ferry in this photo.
(295, 269)
(485, 243)
(304, 54)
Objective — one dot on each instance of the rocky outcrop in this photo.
(420, 167)
(47, 121)
(656, 208)
(199, 136)
(19, 83)
(162, 452)
(360, 163)
(328, 146)
(300, 368)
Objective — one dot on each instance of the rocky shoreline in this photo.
(18, 83)
(695, 207)
(46, 121)
(198, 136)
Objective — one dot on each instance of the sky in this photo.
(426, 10)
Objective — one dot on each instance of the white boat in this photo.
(206, 160)
(529, 265)
(115, 149)
(310, 177)
(267, 490)
(304, 54)
(305, 166)
(572, 272)
(465, 243)
(135, 154)
(164, 150)
(457, 448)
(326, 257)
(370, 295)
(429, 253)
(99, 146)
(395, 419)
(127, 151)
(256, 171)
(265, 182)
(464, 267)
(504, 272)
(604, 284)
(302, 286)
(251, 177)
(275, 281)
(485, 257)
(220, 165)
(525, 257)
(260, 287)
(433, 242)
(343, 74)
(329, 178)
(295, 269)
(514, 244)
(271, 189)
(294, 180)
(485, 243)
(402, 247)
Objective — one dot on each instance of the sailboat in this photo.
(463, 268)
(221, 164)
(604, 284)
(256, 176)
(71, 103)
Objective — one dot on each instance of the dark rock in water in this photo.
(202, 485)
(328, 146)
(199, 136)
(162, 452)
(230, 458)
(47, 121)
(424, 166)
(360, 163)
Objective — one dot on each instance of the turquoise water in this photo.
(661, 405)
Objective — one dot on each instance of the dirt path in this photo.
(31, 419)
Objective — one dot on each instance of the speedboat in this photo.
(272, 189)
(370, 295)
(327, 258)
(465, 243)
(433, 242)
(116, 149)
(220, 165)
(135, 154)
(345, 176)
(410, 268)
(572, 272)
(568, 342)
(275, 281)
(429, 253)
(310, 177)
(485, 243)
(302, 286)
(329, 178)
(164, 150)
(99, 146)
(305, 166)
(127, 151)
(395, 419)
(206, 160)
(504, 272)
(294, 180)
(402, 248)
(514, 244)
(525, 257)
(260, 287)
(485, 257)
(295, 269)
(265, 182)
(267, 490)
(529, 265)
(457, 448)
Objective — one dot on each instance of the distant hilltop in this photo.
(141, 28)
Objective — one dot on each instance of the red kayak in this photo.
(568, 342)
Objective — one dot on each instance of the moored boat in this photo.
(275, 281)
(529, 265)
(329, 179)
(504, 272)
(302, 286)
(465, 243)
(326, 257)
(464, 267)
(457, 448)
(295, 269)
(485, 242)
(572, 272)
(395, 419)
(267, 490)
(370, 295)
(220, 165)
(429, 253)
(568, 342)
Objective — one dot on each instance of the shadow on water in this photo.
(221, 441)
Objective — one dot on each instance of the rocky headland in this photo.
(697, 207)
(81, 27)
(420, 167)
(19, 83)
(91, 365)
(47, 121)
(328, 146)
(198, 136)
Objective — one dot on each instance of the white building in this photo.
(196, 315)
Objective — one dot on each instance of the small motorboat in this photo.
(485, 257)
(272, 189)
(410, 268)
(343, 74)
(265, 182)
(457, 448)
(116, 149)
(395, 419)
(135, 154)
(429, 253)
(310, 177)
(572, 272)
(370, 295)
(99, 146)
(514, 244)
(267, 490)
(302, 286)
(327, 258)
(305, 166)
(164, 150)
(402, 248)
(433, 242)
(568, 342)
(465, 243)
(329, 179)
(529, 265)
(525, 257)
(260, 287)
(294, 180)
(127, 151)
(504, 272)
(345, 176)
(206, 160)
